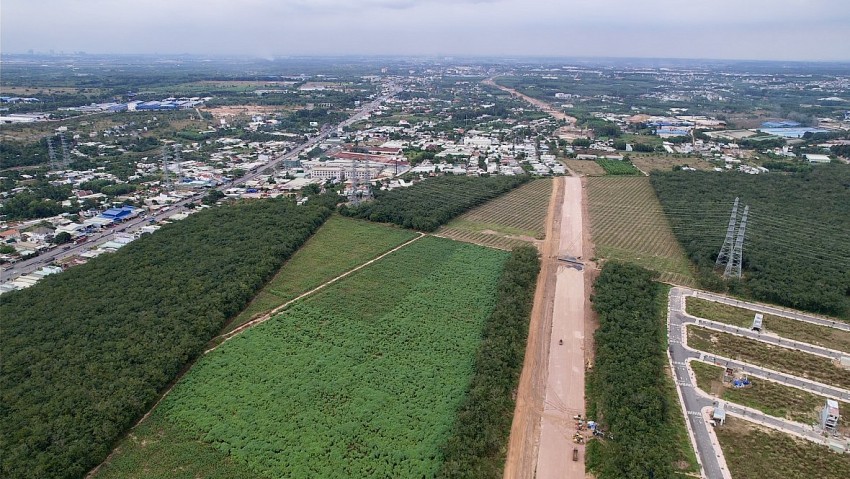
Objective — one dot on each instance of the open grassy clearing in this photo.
(649, 163)
(787, 328)
(340, 245)
(361, 380)
(628, 224)
(788, 361)
(585, 167)
(753, 452)
(766, 396)
(507, 221)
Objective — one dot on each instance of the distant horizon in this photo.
(393, 56)
(757, 30)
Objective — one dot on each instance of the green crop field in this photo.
(507, 221)
(362, 379)
(618, 167)
(798, 363)
(757, 453)
(340, 245)
(785, 327)
(628, 224)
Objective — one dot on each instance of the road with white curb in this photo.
(696, 402)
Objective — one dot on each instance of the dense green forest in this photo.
(478, 443)
(85, 352)
(433, 202)
(797, 247)
(626, 388)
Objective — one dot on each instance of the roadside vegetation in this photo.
(433, 202)
(628, 224)
(478, 442)
(363, 379)
(767, 396)
(86, 352)
(627, 390)
(338, 246)
(757, 453)
(798, 363)
(797, 250)
(785, 327)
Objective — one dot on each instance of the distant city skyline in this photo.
(806, 30)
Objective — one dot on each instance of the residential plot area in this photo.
(765, 383)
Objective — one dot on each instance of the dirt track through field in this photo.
(240, 329)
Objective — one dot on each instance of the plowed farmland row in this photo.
(510, 220)
(627, 223)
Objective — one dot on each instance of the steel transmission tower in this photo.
(66, 157)
(733, 267)
(726, 249)
(177, 147)
(165, 177)
(353, 176)
(51, 152)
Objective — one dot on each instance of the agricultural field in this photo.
(87, 351)
(650, 163)
(628, 224)
(431, 203)
(767, 396)
(340, 245)
(753, 452)
(785, 327)
(797, 250)
(618, 167)
(798, 363)
(363, 379)
(510, 220)
(585, 167)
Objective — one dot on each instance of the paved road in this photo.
(774, 310)
(769, 338)
(712, 466)
(28, 266)
(695, 400)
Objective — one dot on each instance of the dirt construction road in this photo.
(565, 381)
(551, 387)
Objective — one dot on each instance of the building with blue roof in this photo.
(117, 215)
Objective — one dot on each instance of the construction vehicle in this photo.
(572, 261)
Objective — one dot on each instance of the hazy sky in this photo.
(727, 29)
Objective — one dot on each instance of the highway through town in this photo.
(698, 404)
(61, 252)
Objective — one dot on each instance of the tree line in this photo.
(478, 442)
(625, 389)
(87, 351)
